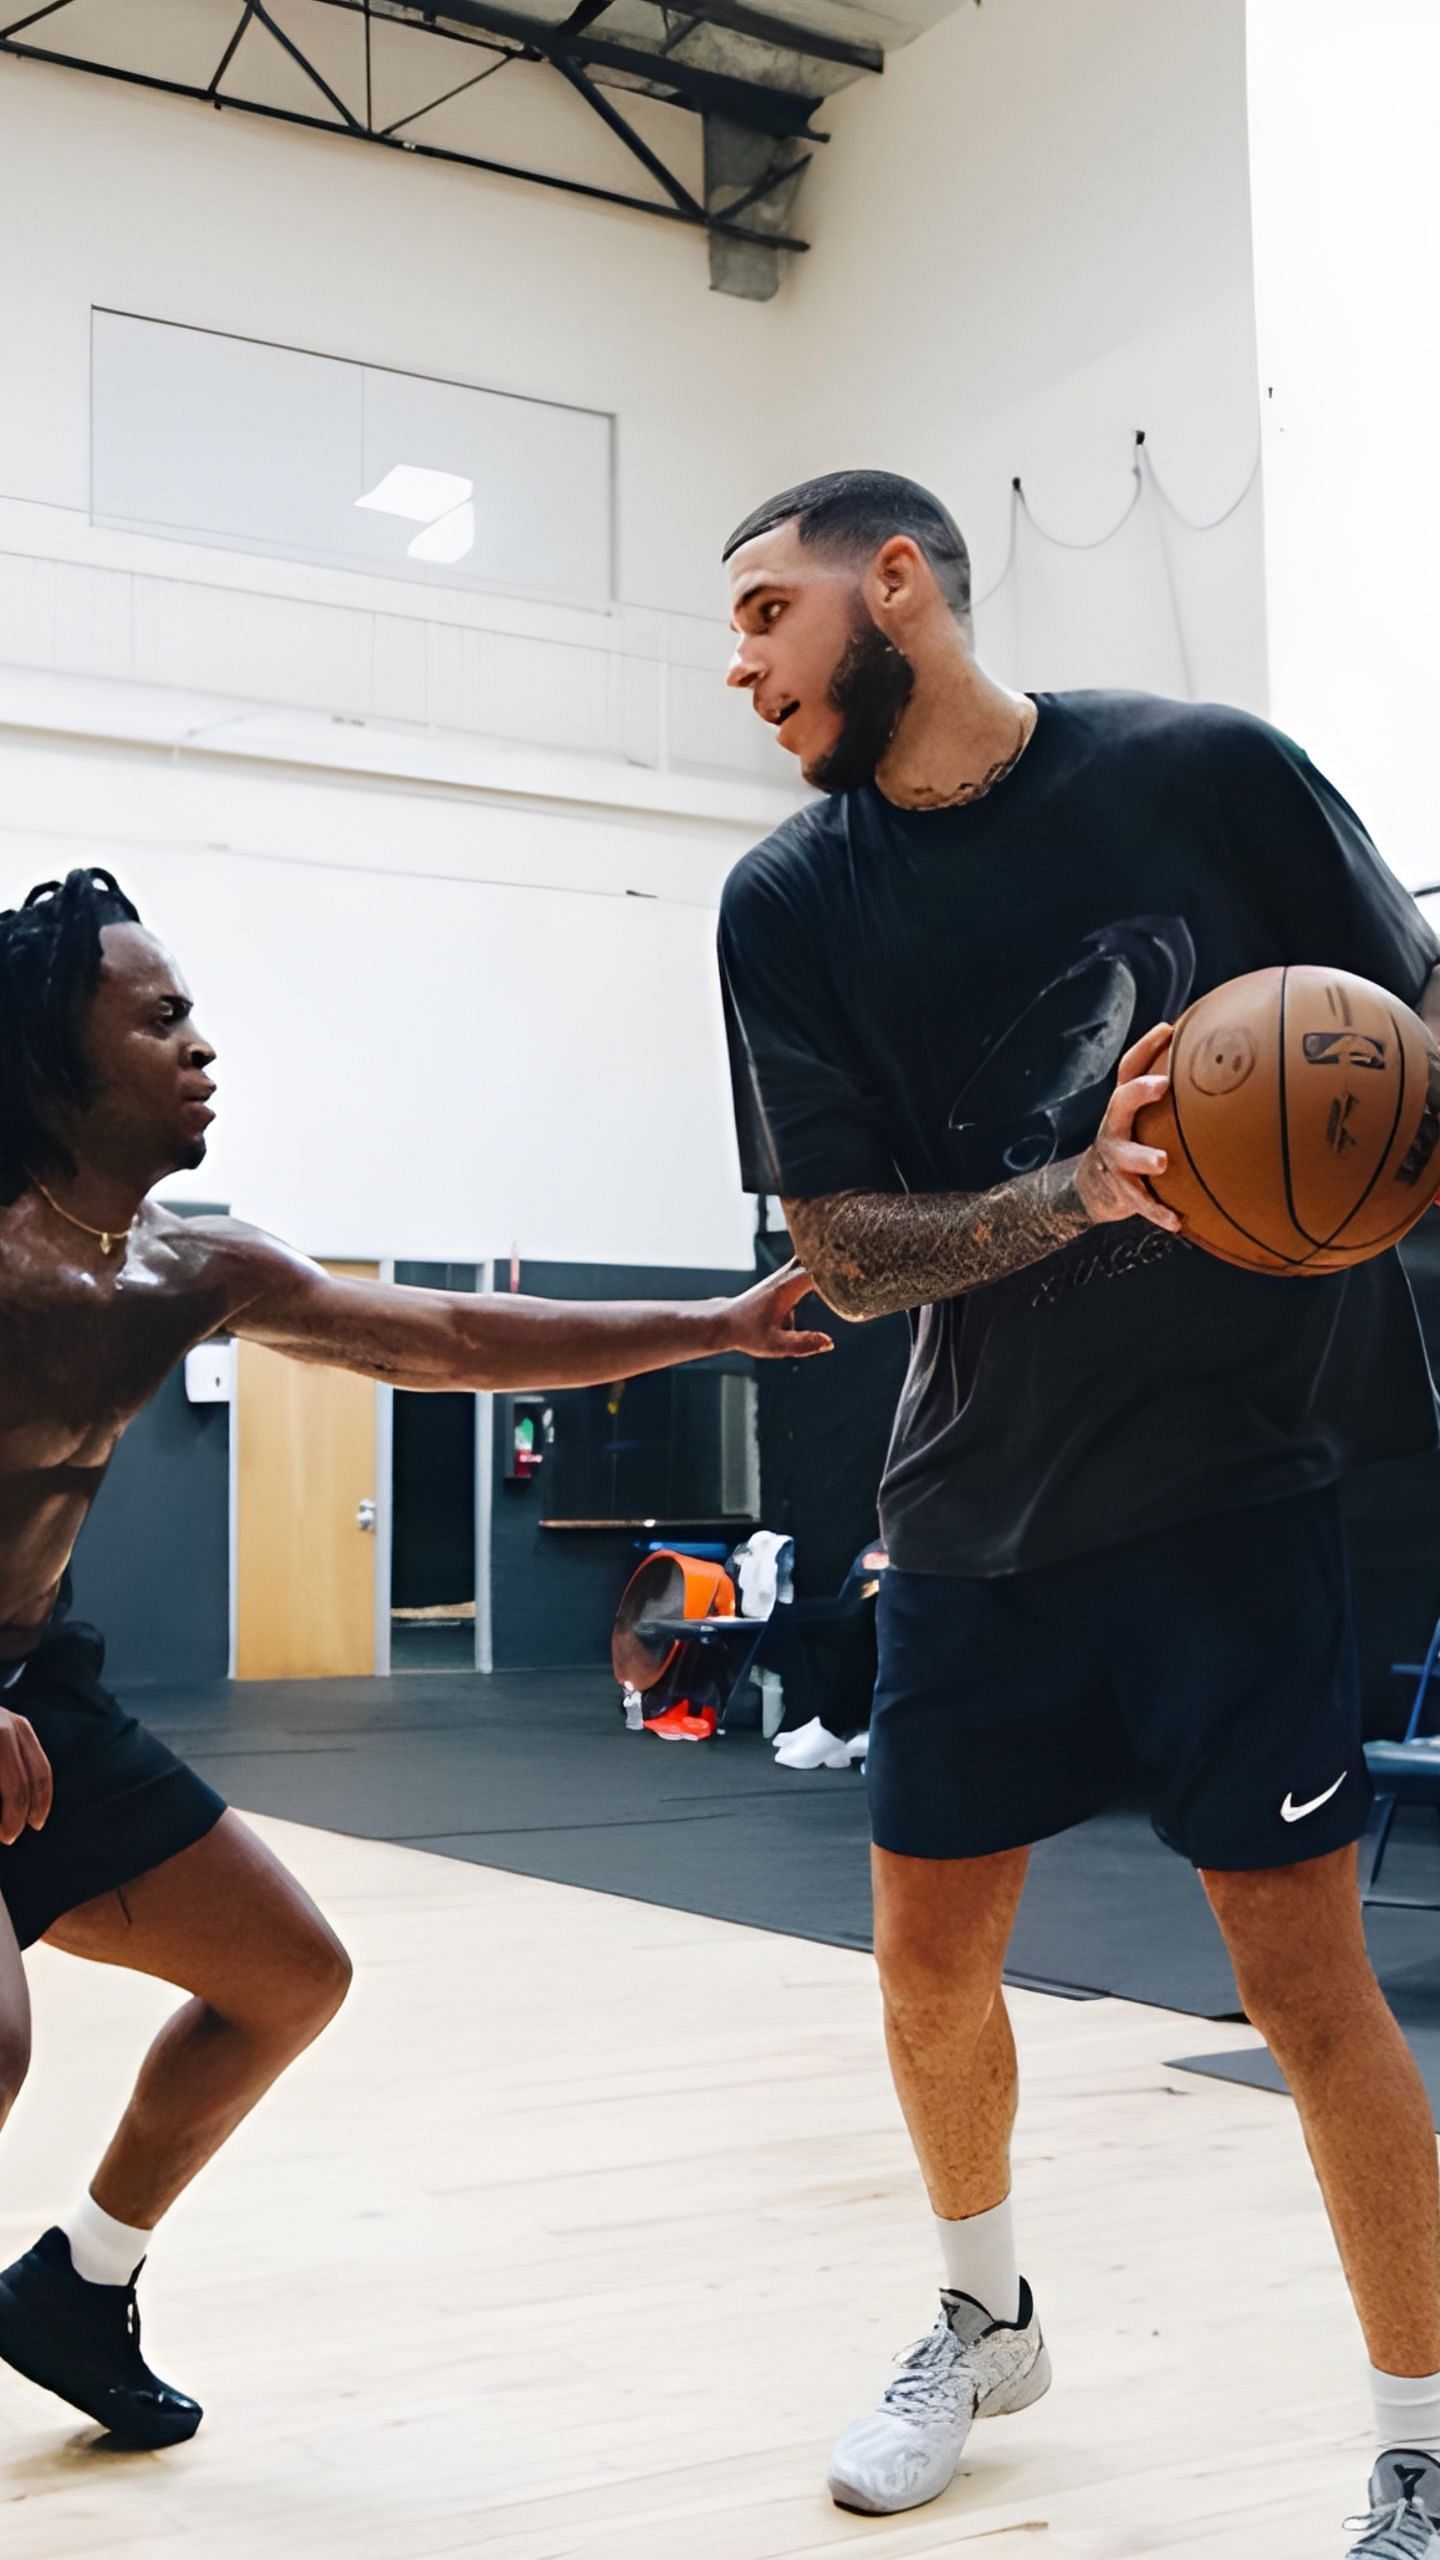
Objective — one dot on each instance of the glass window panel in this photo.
(274, 450)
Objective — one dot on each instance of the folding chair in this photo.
(732, 1649)
(1406, 1772)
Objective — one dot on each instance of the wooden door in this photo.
(305, 1466)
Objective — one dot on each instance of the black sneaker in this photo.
(82, 2341)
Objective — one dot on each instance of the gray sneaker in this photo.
(905, 2451)
(1404, 2518)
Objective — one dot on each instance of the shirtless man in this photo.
(109, 1847)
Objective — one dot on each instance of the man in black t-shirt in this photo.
(1110, 1495)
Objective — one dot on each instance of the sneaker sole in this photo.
(855, 2502)
(1030, 2387)
(148, 2439)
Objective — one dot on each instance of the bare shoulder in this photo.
(241, 1262)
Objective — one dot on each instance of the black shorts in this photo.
(1216, 1661)
(123, 1802)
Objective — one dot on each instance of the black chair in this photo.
(731, 1650)
(1406, 1772)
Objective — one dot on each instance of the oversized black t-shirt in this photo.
(937, 1001)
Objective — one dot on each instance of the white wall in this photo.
(1030, 238)
(510, 1029)
(1033, 239)
(446, 1022)
(159, 206)
(1347, 245)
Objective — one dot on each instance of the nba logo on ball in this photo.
(1302, 1122)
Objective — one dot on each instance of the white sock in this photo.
(103, 2250)
(978, 2256)
(1407, 2411)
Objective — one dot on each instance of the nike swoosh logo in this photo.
(1290, 1811)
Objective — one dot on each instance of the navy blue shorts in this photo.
(1214, 1662)
(123, 1802)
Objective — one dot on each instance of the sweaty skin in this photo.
(90, 1338)
(90, 1335)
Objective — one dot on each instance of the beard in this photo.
(870, 688)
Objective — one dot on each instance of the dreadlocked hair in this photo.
(50, 959)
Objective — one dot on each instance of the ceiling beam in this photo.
(766, 185)
(497, 62)
(48, 9)
(232, 48)
(610, 115)
(812, 42)
(784, 113)
(302, 62)
(759, 24)
(699, 220)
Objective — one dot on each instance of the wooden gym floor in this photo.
(589, 2224)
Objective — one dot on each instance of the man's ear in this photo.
(898, 571)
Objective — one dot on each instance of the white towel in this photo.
(766, 1568)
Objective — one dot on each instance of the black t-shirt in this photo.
(937, 1001)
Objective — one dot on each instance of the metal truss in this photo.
(759, 135)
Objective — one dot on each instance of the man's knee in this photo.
(941, 1935)
(1296, 1940)
(303, 1993)
(1303, 2015)
(934, 1964)
(925, 2001)
(327, 1974)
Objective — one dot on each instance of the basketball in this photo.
(1302, 1121)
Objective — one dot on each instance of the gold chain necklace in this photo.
(110, 1239)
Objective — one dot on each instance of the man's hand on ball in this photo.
(1112, 1175)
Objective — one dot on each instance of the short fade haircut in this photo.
(853, 514)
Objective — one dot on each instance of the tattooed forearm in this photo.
(871, 1253)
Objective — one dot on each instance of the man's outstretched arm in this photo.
(873, 1253)
(437, 1338)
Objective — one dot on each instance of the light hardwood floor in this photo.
(589, 2224)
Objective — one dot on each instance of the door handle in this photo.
(365, 1516)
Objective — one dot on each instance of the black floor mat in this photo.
(535, 1773)
(1406, 1949)
(1106, 1908)
(1256, 2069)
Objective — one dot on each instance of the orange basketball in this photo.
(1302, 1121)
